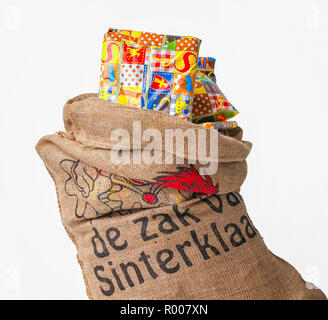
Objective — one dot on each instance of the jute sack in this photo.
(159, 231)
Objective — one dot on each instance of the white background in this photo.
(271, 63)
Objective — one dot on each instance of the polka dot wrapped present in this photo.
(209, 103)
(220, 125)
(150, 71)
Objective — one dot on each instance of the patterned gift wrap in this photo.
(209, 103)
(150, 71)
(221, 125)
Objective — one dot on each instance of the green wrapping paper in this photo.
(209, 103)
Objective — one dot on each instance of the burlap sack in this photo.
(138, 239)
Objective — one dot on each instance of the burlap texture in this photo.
(138, 240)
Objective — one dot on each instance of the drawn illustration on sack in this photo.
(97, 193)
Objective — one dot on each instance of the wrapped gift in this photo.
(150, 71)
(209, 103)
(220, 125)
